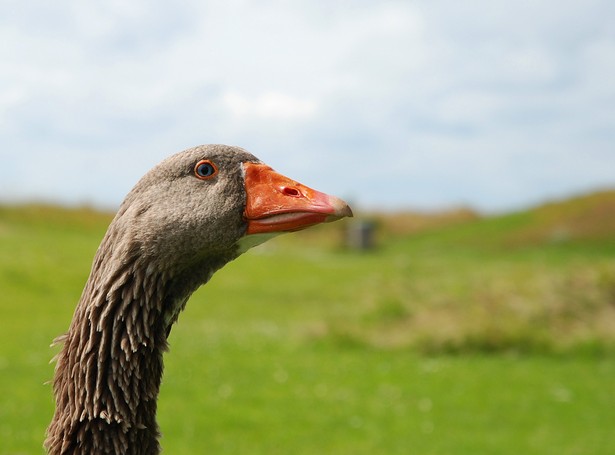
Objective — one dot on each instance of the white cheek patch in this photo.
(250, 241)
(242, 166)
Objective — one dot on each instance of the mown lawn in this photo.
(433, 344)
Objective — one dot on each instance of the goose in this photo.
(185, 219)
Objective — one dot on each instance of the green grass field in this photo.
(474, 336)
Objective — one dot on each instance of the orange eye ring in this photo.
(205, 170)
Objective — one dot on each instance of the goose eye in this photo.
(205, 169)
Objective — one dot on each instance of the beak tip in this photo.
(342, 209)
(347, 212)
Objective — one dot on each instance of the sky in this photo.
(496, 105)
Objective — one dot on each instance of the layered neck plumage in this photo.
(109, 370)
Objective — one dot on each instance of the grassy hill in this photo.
(539, 280)
(458, 334)
(585, 219)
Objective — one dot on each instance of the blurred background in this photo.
(468, 308)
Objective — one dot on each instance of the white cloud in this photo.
(486, 103)
(269, 105)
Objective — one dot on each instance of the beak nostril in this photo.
(290, 191)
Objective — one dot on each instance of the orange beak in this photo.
(275, 203)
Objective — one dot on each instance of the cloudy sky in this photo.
(420, 104)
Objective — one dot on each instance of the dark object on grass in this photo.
(185, 219)
(360, 235)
